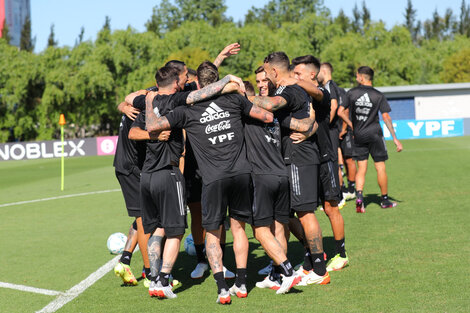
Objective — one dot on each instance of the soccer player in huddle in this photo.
(162, 183)
(307, 68)
(365, 102)
(302, 159)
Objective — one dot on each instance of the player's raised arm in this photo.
(130, 97)
(229, 50)
(261, 114)
(268, 103)
(311, 89)
(213, 89)
(128, 110)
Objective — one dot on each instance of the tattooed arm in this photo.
(268, 103)
(261, 114)
(300, 137)
(153, 123)
(213, 89)
(305, 124)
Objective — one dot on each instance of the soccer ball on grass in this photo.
(116, 243)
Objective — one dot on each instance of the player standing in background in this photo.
(365, 102)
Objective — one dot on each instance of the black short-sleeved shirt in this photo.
(130, 154)
(298, 106)
(263, 144)
(333, 89)
(364, 103)
(161, 154)
(322, 117)
(215, 130)
(341, 95)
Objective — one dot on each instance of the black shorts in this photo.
(334, 136)
(270, 199)
(303, 181)
(329, 189)
(377, 149)
(193, 187)
(130, 186)
(232, 192)
(163, 202)
(347, 145)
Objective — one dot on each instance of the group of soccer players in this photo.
(270, 159)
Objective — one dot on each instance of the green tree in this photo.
(6, 31)
(342, 21)
(365, 16)
(456, 68)
(80, 36)
(464, 20)
(26, 42)
(51, 42)
(357, 19)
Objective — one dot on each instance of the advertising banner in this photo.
(414, 129)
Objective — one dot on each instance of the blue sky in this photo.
(69, 16)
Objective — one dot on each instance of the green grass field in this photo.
(413, 258)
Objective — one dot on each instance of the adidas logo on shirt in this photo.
(364, 101)
(317, 260)
(213, 112)
(363, 106)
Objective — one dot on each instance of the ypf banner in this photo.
(412, 129)
(47, 149)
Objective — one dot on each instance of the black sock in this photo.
(275, 273)
(340, 247)
(222, 246)
(220, 280)
(126, 257)
(318, 263)
(384, 197)
(164, 278)
(147, 272)
(286, 268)
(241, 277)
(307, 261)
(351, 186)
(359, 194)
(201, 257)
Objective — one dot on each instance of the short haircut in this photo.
(291, 67)
(166, 75)
(192, 72)
(207, 73)
(365, 70)
(328, 65)
(179, 65)
(250, 90)
(307, 60)
(259, 69)
(279, 58)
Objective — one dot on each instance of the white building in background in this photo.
(15, 12)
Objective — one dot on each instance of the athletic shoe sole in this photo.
(360, 207)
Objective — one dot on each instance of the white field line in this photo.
(59, 197)
(46, 292)
(76, 290)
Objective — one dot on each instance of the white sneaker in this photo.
(164, 292)
(152, 292)
(224, 297)
(266, 270)
(349, 195)
(240, 292)
(228, 274)
(312, 278)
(199, 271)
(342, 203)
(288, 282)
(268, 283)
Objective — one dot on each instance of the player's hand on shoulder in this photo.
(130, 111)
(164, 135)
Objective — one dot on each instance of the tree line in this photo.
(88, 80)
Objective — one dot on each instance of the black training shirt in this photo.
(364, 103)
(215, 130)
(298, 106)
(130, 154)
(161, 154)
(333, 89)
(322, 117)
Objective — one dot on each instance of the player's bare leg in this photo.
(123, 269)
(142, 239)
(214, 256)
(383, 184)
(163, 289)
(240, 248)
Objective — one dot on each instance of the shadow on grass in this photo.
(375, 198)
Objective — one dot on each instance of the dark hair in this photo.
(259, 69)
(307, 60)
(291, 67)
(166, 75)
(278, 58)
(207, 73)
(179, 65)
(365, 70)
(192, 72)
(328, 65)
(250, 90)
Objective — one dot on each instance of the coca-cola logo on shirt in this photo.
(223, 125)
